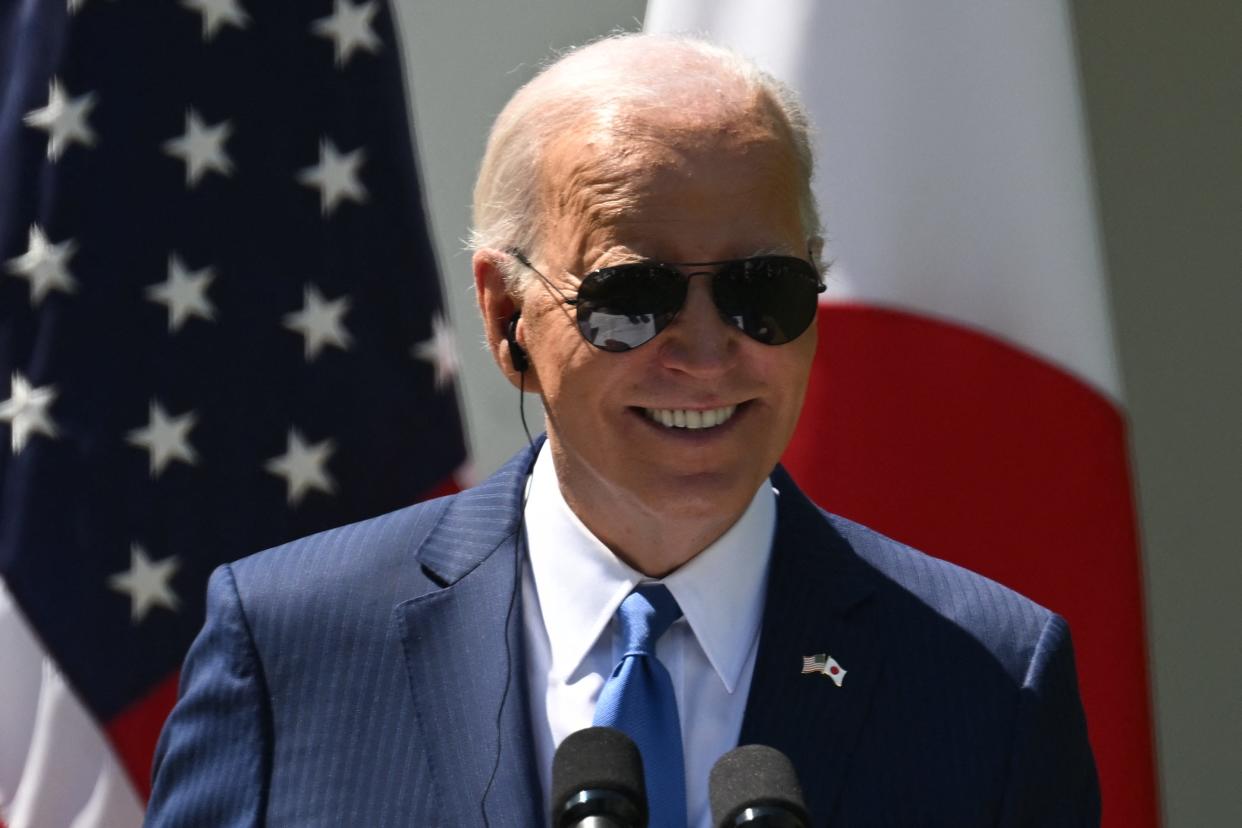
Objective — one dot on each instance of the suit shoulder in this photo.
(1007, 623)
(348, 560)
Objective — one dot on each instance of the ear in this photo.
(497, 306)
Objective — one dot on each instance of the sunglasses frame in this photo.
(572, 301)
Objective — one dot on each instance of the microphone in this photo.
(597, 781)
(756, 786)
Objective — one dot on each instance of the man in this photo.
(647, 261)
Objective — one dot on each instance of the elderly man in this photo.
(647, 261)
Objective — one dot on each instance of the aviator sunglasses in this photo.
(771, 299)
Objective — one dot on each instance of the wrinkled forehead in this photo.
(619, 161)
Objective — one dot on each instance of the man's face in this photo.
(675, 195)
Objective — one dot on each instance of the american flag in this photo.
(221, 328)
(814, 663)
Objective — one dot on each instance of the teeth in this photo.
(692, 419)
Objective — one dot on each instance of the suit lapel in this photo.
(464, 650)
(817, 589)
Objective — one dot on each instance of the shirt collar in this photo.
(580, 582)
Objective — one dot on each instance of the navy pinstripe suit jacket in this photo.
(373, 675)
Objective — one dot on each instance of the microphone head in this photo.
(756, 784)
(598, 771)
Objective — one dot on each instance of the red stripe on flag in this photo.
(979, 453)
(135, 730)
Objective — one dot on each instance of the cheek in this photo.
(549, 343)
(790, 362)
(803, 355)
(790, 373)
(570, 377)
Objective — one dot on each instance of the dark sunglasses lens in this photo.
(771, 298)
(622, 307)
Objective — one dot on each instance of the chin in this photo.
(698, 494)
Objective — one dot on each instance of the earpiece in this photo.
(517, 354)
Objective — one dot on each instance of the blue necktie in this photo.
(638, 699)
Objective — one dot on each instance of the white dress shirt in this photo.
(572, 586)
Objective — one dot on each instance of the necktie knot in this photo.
(645, 615)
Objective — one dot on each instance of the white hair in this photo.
(604, 84)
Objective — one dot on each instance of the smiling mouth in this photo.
(691, 418)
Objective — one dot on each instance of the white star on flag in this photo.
(825, 664)
(217, 13)
(26, 411)
(45, 265)
(183, 293)
(201, 147)
(302, 467)
(320, 323)
(165, 438)
(146, 583)
(440, 351)
(64, 120)
(336, 176)
(349, 26)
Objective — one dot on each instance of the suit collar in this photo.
(842, 579)
(478, 521)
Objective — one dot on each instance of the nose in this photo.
(698, 341)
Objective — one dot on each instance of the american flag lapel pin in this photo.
(826, 665)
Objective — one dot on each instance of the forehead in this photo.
(640, 178)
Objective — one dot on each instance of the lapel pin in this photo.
(825, 664)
